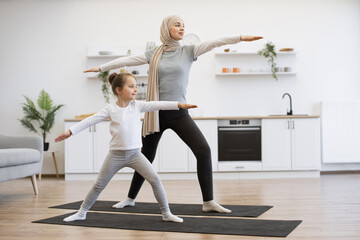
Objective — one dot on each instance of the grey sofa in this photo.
(21, 156)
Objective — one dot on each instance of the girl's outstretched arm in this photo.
(209, 45)
(63, 136)
(186, 106)
(85, 123)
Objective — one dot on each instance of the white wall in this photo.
(43, 46)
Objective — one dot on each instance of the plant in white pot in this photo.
(43, 118)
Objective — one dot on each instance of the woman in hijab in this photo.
(169, 67)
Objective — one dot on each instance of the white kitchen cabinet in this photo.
(276, 144)
(176, 156)
(79, 151)
(291, 144)
(86, 151)
(306, 144)
(101, 139)
(173, 153)
(209, 130)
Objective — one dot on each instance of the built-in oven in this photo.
(239, 140)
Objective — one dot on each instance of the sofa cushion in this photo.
(18, 156)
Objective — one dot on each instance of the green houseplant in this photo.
(269, 52)
(43, 118)
(103, 76)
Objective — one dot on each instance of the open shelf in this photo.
(107, 56)
(251, 63)
(93, 75)
(254, 73)
(251, 53)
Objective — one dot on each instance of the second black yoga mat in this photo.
(228, 226)
(177, 209)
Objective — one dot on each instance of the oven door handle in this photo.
(239, 129)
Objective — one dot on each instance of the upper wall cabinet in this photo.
(251, 64)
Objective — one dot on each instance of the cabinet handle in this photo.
(239, 167)
(239, 129)
(293, 124)
(288, 124)
(90, 129)
(94, 128)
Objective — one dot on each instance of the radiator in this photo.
(340, 130)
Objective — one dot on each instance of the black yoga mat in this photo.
(228, 226)
(177, 209)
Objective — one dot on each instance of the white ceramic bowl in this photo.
(105, 52)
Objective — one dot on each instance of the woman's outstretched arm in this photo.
(207, 46)
(135, 60)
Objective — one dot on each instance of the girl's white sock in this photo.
(212, 206)
(125, 203)
(80, 215)
(169, 217)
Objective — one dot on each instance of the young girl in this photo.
(125, 129)
(169, 67)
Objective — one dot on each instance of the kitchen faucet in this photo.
(290, 112)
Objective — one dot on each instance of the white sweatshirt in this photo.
(125, 123)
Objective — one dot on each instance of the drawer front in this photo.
(239, 166)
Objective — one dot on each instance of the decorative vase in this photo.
(46, 146)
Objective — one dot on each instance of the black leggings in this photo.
(183, 125)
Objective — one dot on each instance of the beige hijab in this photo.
(151, 119)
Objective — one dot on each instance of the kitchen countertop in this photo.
(259, 117)
(234, 117)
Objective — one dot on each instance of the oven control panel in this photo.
(239, 122)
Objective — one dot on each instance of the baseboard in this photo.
(216, 175)
(340, 172)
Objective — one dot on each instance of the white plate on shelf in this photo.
(105, 52)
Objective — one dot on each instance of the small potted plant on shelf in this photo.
(269, 52)
(44, 117)
(103, 76)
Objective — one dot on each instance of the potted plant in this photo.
(269, 52)
(103, 76)
(44, 117)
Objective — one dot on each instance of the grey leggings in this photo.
(116, 160)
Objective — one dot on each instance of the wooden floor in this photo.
(329, 206)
